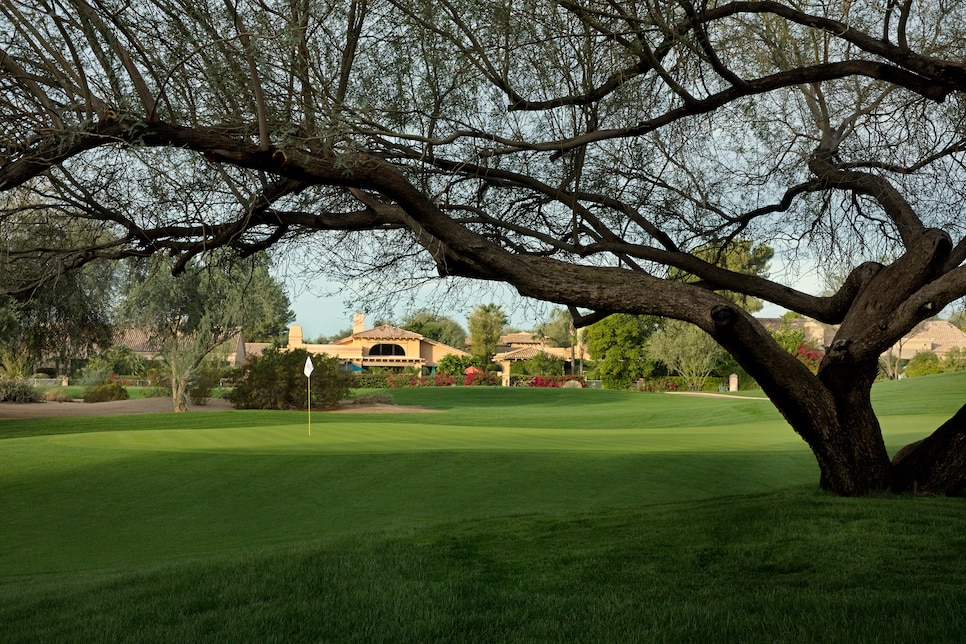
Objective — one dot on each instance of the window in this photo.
(387, 350)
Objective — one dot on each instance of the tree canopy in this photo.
(436, 327)
(486, 324)
(190, 315)
(619, 344)
(580, 150)
(557, 330)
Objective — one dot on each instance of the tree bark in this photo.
(832, 411)
(936, 464)
(178, 396)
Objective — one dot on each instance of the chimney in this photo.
(294, 337)
(358, 323)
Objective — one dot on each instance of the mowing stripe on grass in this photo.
(361, 436)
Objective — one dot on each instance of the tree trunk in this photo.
(937, 463)
(843, 433)
(846, 437)
(178, 397)
(831, 411)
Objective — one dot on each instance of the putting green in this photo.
(361, 437)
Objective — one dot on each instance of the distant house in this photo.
(384, 346)
(517, 347)
(137, 340)
(938, 336)
(816, 333)
(243, 351)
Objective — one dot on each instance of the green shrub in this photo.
(955, 360)
(15, 364)
(57, 395)
(454, 364)
(156, 391)
(109, 390)
(206, 378)
(93, 377)
(18, 390)
(275, 380)
(376, 398)
(118, 359)
(924, 363)
(366, 380)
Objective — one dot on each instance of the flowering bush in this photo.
(403, 380)
(443, 380)
(554, 381)
(809, 356)
(482, 378)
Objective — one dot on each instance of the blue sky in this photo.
(325, 308)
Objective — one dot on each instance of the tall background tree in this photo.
(619, 345)
(558, 329)
(486, 323)
(436, 327)
(189, 315)
(581, 151)
(687, 351)
(59, 320)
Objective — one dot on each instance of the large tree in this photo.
(63, 319)
(619, 345)
(557, 330)
(486, 324)
(190, 315)
(687, 351)
(436, 327)
(576, 149)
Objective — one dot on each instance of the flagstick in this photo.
(309, 368)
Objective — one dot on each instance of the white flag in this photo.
(309, 367)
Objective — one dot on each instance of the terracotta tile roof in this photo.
(935, 335)
(526, 353)
(136, 340)
(523, 353)
(519, 338)
(386, 332)
(255, 349)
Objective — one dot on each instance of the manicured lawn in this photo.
(511, 515)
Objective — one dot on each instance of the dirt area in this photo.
(9, 411)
